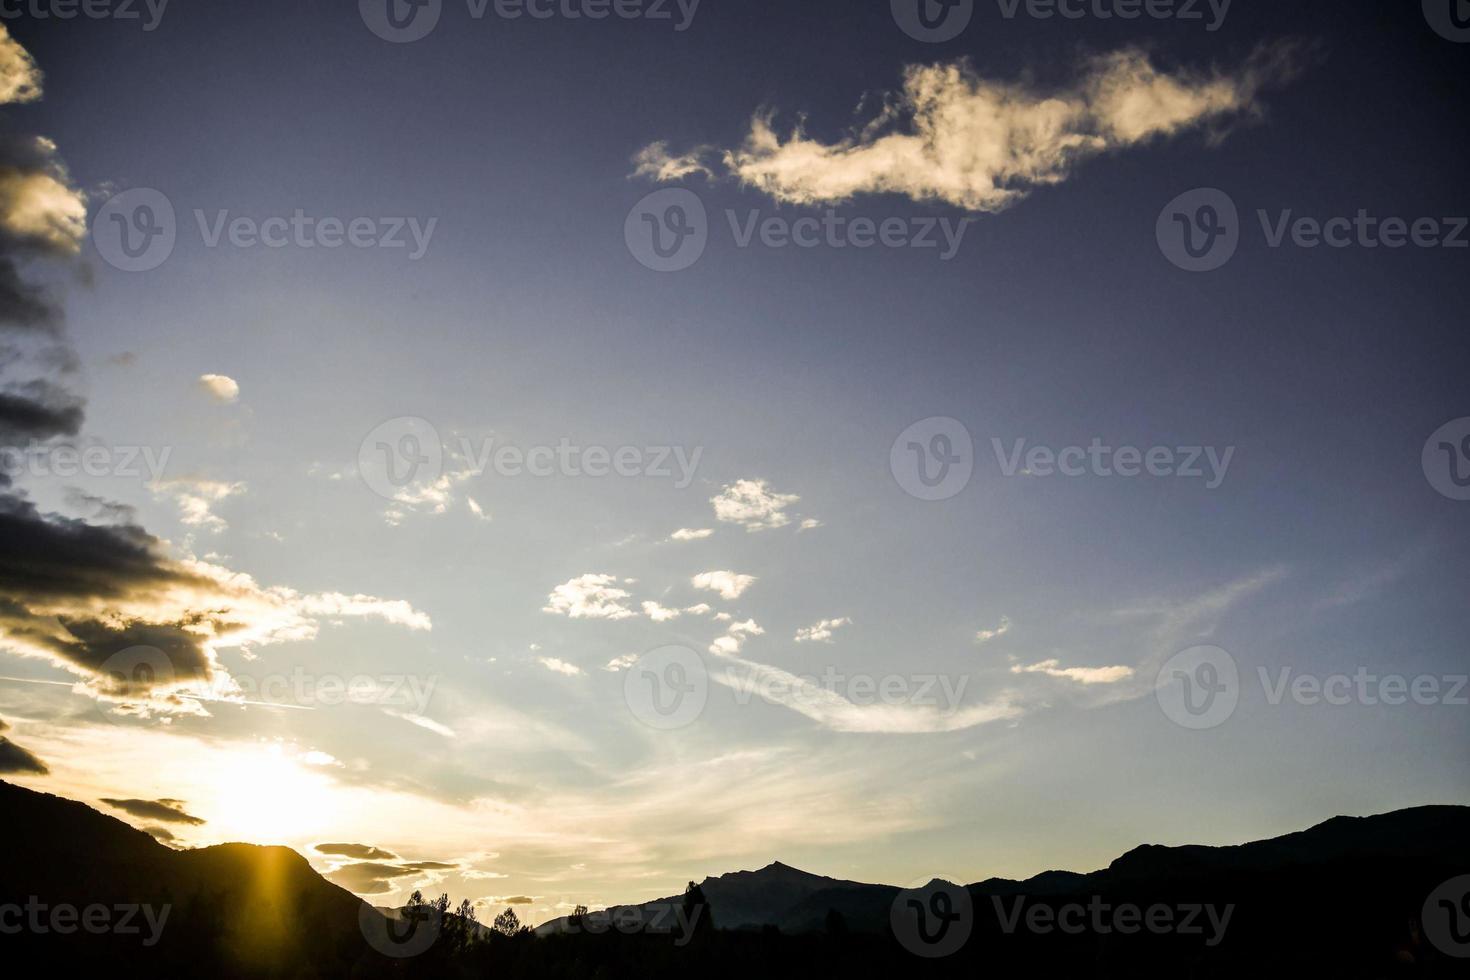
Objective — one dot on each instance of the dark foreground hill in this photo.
(1344, 899)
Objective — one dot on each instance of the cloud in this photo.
(660, 614)
(91, 598)
(20, 79)
(981, 144)
(475, 508)
(360, 852)
(427, 724)
(621, 663)
(822, 631)
(165, 810)
(560, 666)
(729, 585)
(506, 900)
(220, 387)
(15, 760)
(691, 534)
(737, 633)
(985, 636)
(161, 834)
(655, 162)
(1082, 675)
(369, 877)
(590, 596)
(754, 504)
(196, 499)
(833, 711)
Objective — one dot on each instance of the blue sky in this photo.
(788, 373)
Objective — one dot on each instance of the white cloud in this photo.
(475, 508)
(738, 633)
(559, 666)
(655, 162)
(982, 144)
(754, 504)
(428, 724)
(220, 387)
(196, 499)
(20, 79)
(822, 631)
(590, 596)
(811, 523)
(660, 614)
(833, 711)
(621, 663)
(729, 585)
(1082, 675)
(985, 636)
(691, 534)
(700, 609)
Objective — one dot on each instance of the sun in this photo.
(261, 794)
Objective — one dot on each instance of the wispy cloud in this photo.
(1082, 675)
(821, 632)
(982, 144)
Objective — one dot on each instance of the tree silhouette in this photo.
(697, 911)
(507, 923)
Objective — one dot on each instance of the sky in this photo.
(549, 459)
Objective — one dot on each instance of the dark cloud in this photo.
(369, 877)
(38, 410)
(15, 760)
(161, 834)
(168, 811)
(361, 852)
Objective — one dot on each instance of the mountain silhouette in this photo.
(1343, 898)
